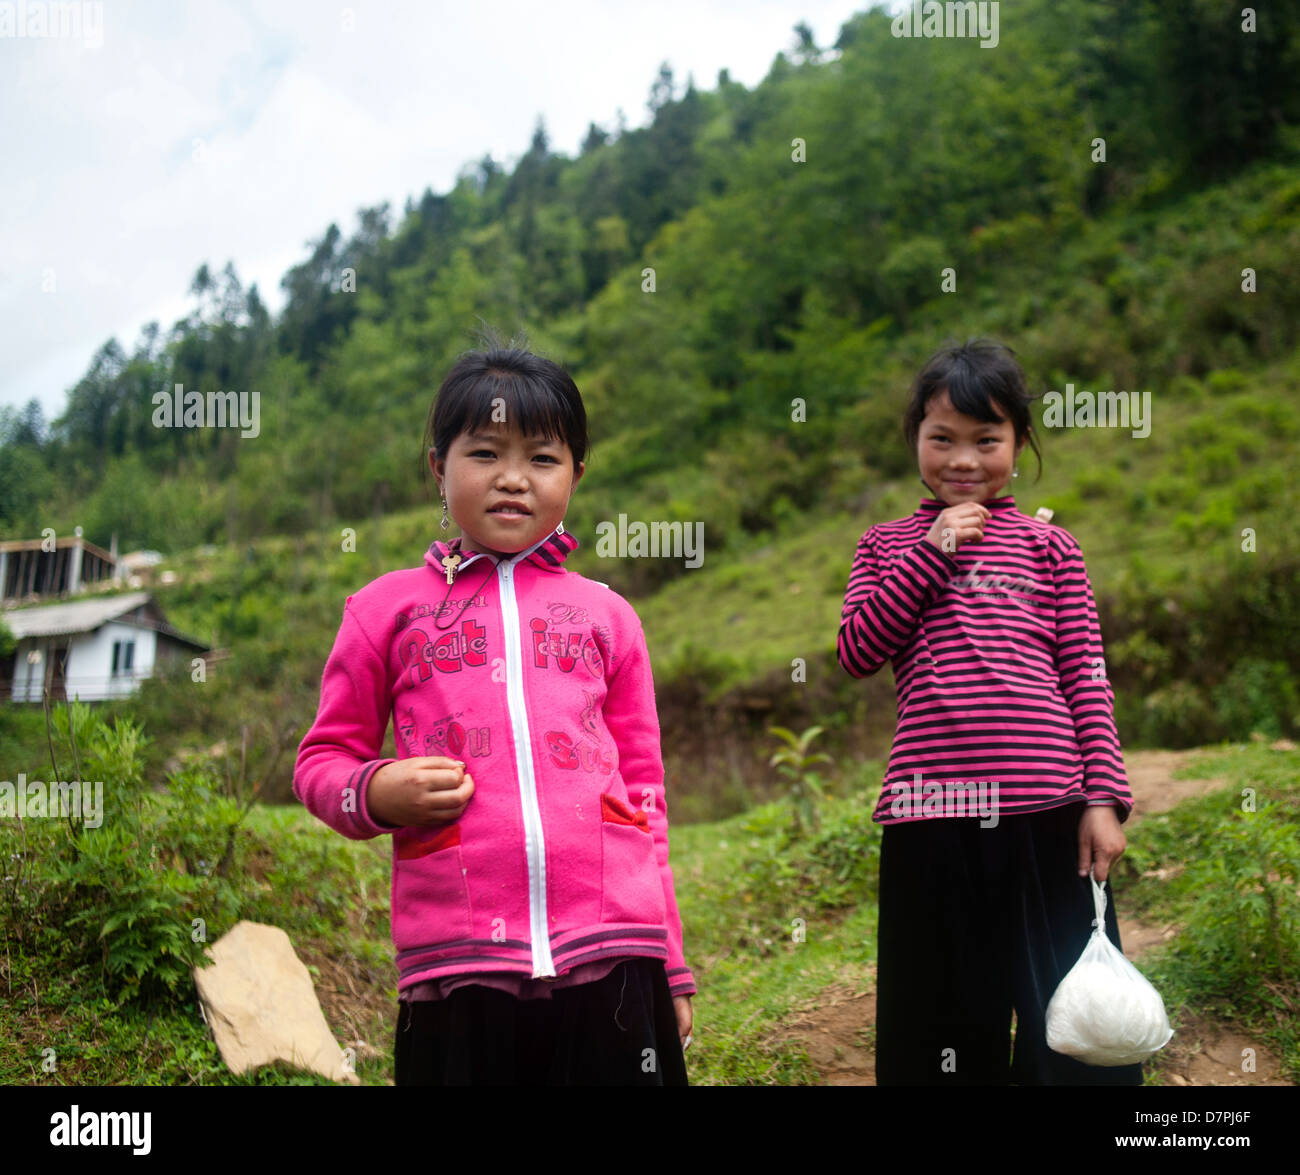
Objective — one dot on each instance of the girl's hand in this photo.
(959, 524)
(685, 1018)
(1101, 841)
(427, 789)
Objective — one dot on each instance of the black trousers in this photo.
(973, 923)
(620, 1030)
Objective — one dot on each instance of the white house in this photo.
(90, 649)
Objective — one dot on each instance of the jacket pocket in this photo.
(631, 889)
(430, 890)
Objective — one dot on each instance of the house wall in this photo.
(90, 662)
(18, 688)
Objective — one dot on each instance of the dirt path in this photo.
(837, 1029)
(1153, 790)
(836, 1032)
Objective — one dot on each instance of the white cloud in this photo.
(301, 121)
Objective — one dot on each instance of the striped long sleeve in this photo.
(998, 662)
(881, 611)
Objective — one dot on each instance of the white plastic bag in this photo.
(1104, 1012)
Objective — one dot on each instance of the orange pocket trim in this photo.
(614, 811)
(424, 844)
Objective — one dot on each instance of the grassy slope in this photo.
(780, 596)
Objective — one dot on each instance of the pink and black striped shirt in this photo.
(998, 663)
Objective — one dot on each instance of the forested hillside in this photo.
(1090, 192)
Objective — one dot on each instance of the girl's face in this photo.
(504, 490)
(963, 459)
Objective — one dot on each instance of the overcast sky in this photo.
(170, 134)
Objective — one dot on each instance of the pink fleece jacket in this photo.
(539, 680)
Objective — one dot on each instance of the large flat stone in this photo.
(260, 1003)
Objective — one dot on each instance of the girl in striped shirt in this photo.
(1005, 783)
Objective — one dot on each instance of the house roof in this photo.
(79, 616)
(66, 541)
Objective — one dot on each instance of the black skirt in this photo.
(620, 1030)
(976, 922)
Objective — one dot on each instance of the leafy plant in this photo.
(794, 763)
(121, 888)
(1245, 927)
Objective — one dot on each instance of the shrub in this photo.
(1228, 379)
(1261, 490)
(1213, 463)
(118, 901)
(1179, 715)
(1257, 695)
(785, 871)
(1244, 931)
(1219, 516)
(1138, 504)
(1099, 483)
(1168, 490)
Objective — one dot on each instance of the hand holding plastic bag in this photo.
(1104, 1012)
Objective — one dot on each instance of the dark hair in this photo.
(975, 374)
(539, 397)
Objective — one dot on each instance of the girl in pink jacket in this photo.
(533, 908)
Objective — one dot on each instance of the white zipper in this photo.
(534, 845)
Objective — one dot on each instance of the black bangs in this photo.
(970, 395)
(524, 403)
(511, 387)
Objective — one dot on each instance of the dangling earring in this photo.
(444, 514)
(1015, 472)
(560, 529)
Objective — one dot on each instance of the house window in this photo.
(123, 657)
